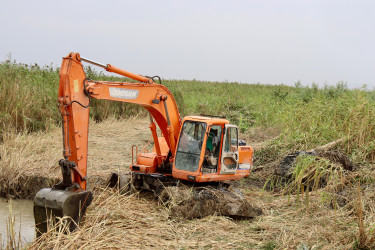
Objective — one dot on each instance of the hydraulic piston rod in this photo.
(122, 72)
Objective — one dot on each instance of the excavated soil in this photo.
(198, 203)
(285, 169)
(339, 158)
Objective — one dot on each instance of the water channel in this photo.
(22, 211)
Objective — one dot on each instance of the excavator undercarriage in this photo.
(188, 199)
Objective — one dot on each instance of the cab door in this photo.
(229, 155)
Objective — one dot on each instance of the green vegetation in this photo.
(28, 98)
(305, 116)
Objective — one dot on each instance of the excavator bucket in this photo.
(51, 204)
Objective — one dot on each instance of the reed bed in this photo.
(305, 116)
(275, 119)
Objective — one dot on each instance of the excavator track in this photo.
(188, 199)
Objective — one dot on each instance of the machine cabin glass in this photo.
(230, 153)
(213, 145)
(190, 145)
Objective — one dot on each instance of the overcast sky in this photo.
(265, 41)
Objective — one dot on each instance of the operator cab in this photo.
(207, 150)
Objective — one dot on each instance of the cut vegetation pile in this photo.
(323, 200)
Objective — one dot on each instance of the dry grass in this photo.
(126, 221)
(136, 221)
(129, 221)
(29, 162)
(110, 144)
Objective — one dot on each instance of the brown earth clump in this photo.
(339, 158)
(201, 202)
(322, 165)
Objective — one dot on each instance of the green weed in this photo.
(306, 116)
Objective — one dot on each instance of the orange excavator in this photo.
(198, 149)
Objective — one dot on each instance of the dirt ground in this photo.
(115, 220)
(32, 160)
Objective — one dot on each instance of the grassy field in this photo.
(305, 116)
(276, 120)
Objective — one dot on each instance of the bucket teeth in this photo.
(50, 203)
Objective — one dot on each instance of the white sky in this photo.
(266, 41)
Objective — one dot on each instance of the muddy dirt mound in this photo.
(314, 170)
(186, 201)
(287, 165)
(198, 203)
(338, 158)
(24, 187)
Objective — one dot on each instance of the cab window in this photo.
(211, 156)
(231, 140)
(190, 145)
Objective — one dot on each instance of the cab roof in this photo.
(207, 119)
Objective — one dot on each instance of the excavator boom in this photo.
(69, 197)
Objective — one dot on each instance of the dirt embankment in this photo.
(30, 162)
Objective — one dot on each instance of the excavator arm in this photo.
(75, 92)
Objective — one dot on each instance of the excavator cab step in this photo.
(51, 204)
